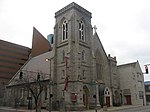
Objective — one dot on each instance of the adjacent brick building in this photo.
(12, 57)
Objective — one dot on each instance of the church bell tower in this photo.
(73, 55)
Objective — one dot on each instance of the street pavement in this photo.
(129, 108)
(133, 109)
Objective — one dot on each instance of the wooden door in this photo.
(108, 101)
(128, 99)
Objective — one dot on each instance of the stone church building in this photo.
(75, 69)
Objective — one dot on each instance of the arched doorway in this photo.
(116, 100)
(85, 96)
(108, 98)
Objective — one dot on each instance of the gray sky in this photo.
(123, 25)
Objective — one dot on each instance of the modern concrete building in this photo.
(79, 74)
(132, 84)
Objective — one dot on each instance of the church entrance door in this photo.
(108, 101)
(128, 99)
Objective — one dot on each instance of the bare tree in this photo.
(35, 82)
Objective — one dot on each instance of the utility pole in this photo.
(50, 83)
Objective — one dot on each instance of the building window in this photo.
(99, 71)
(63, 93)
(107, 92)
(21, 92)
(45, 93)
(133, 77)
(63, 74)
(140, 94)
(63, 55)
(50, 38)
(83, 55)
(136, 96)
(140, 83)
(81, 31)
(65, 30)
(135, 87)
(83, 74)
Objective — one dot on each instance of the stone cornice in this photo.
(72, 5)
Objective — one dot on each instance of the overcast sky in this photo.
(123, 25)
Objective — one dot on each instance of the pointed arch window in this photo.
(81, 31)
(65, 30)
(99, 70)
(83, 73)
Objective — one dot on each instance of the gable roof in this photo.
(96, 39)
(133, 64)
(127, 64)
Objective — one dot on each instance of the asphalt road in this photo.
(137, 109)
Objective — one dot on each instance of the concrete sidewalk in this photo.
(109, 109)
(113, 109)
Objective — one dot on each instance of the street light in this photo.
(50, 82)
